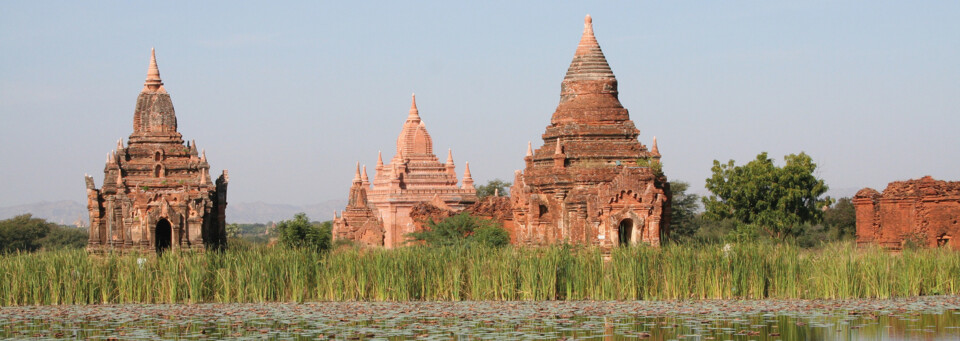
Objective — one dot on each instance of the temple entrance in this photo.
(163, 235)
(625, 232)
(943, 240)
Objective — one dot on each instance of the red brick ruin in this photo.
(592, 181)
(925, 211)
(156, 192)
(379, 215)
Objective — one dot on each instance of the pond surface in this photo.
(926, 318)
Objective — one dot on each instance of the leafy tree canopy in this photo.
(463, 229)
(842, 218)
(683, 210)
(26, 233)
(777, 200)
(493, 186)
(300, 233)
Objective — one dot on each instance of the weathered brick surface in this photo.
(413, 176)
(156, 191)
(585, 183)
(923, 210)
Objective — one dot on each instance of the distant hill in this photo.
(67, 212)
(64, 212)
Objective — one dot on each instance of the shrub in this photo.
(300, 233)
(463, 229)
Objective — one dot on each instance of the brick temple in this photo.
(925, 211)
(156, 192)
(592, 181)
(378, 213)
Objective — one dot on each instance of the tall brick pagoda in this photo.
(414, 175)
(592, 181)
(156, 192)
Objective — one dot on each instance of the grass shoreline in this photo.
(674, 272)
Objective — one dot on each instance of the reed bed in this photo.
(744, 271)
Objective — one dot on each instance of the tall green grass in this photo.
(749, 271)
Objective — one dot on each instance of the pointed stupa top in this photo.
(467, 177)
(529, 148)
(356, 177)
(153, 82)
(559, 149)
(363, 175)
(379, 159)
(450, 156)
(588, 62)
(414, 113)
(655, 149)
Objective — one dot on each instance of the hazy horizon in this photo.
(289, 97)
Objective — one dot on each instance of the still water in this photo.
(923, 318)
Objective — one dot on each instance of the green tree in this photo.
(23, 233)
(300, 233)
(775, 200)
(65, 237)
(463, 229)
(233, 230)
(841, 218)
(493, 186)
(683, 211)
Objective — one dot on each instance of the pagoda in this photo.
(378, 213)
(592, 181)
(157, 193)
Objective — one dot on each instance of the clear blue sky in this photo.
(288, 96)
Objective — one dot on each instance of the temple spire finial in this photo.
(467, 177)
(363, 176)
(414, 113)
(655, 149)
(559, 149)
(153, 83)
(529, 148)
(450, 156)
(356, 177)
(379, 159)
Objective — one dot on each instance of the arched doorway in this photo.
(163, 235)
(625, 232)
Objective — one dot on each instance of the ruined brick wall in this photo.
(925, 211)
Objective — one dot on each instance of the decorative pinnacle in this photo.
(655, 149)
(356, 177)
(203, 155)
(559, 149)
(379, 159)
(450, 156)
(153, 82)
(414, 113)
(529, 148)
(363, 176)
(119, 144)
(466, 172)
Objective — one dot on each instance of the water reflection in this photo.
(476, 321)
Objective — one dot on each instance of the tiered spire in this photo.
(364, 180)
(588, 62)
(467, 178)
(655, 149)
(356, 177)
(414, 113)
(153, 83)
